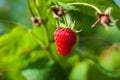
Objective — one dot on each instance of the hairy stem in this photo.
(37, 9)
(29, 6)
(48, 46)
(86, 4)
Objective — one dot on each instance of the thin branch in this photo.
(28, 2)
(86, 4)
(37, 9)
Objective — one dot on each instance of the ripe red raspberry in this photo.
(65, 39)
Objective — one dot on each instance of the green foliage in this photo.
(28, 52)
(67, 7)
(44, 69)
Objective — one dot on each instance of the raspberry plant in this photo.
(60, 40)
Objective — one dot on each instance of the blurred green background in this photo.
(28, 52)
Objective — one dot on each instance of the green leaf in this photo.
(111, 58)
(40, 35)
(16, 46)
(109, 35)
(43, 69)
(37, 54)
(42, 8)
(67, 7)
(79, 71)
(94, 73)
(13, 75)
(9, 57)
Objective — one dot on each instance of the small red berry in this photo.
(65, 39)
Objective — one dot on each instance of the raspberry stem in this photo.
(48, 46)
(86, 4)
(29, 6)
(37, 9)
